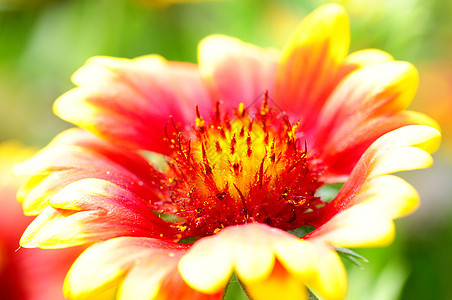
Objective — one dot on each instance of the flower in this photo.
(25, 274)
(179, 184)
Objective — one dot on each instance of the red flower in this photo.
(230, 177)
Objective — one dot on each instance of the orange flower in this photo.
(183, 184)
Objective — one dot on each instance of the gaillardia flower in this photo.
(182, 174)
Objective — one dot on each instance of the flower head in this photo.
(185, 174)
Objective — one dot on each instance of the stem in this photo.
(311, 296)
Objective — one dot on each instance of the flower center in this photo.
(240, 169)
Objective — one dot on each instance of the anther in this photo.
(241, 110)
(242, 131)
(217, 146)
(261, 171)
(200, 123)
(207, 167)
(250, 125)
(217, 112)
(233, 143)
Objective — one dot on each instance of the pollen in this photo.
(242, 167)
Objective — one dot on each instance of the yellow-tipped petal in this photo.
(100, 69)
(280, 285)
(82, 282)
(119, 262)
(53, 229)
(358, 226)
(374, 90)
(367, 57)
(327, 24)
(142, 282)
(33, 194)
(420, 136)
(330, 281)
(311, 61)
(253, 251)
(297, 256)
(89, 210)
(390, 194)
(405, 148)
(73, 107)
(31, 238)
(403, 159)
(254, 258)
(208, 265)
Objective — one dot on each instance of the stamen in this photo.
(217, 114)
(207, 167)
(218, 147)
(242, 132)
(233, 143)
(241, 110)
(245, 210)
(262, 178)
(261, 172)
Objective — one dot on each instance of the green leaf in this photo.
(234, 290)
(352, 256)
(327, 192)
(168, 217)
(188, 240)
(302, 231)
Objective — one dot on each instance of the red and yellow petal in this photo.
(330, 279)
(91, 210)
(357, 226)
(245, 249)
(406, 148)
(236, 71)
(311, 63)
(261, 256)
(390, 194)
(133, 268)
(280, 284)
(342, 157)
(363, 58)
(130, 102)
(143, 280)
(368, 222)
(367, 104)
(76, 154)
(362, 213)
(376, 89)
(327, 281)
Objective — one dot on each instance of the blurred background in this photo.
(43, 42)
